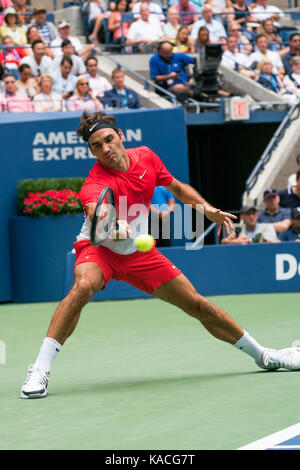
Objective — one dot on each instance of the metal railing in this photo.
(267, 155)
(147, 83)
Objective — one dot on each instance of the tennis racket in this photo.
(104, 218)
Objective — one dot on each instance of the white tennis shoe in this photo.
(288, 358)
(35, 385)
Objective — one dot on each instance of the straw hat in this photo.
(11, 11)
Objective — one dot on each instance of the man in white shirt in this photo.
(64, 82)
(264, 53)
(67, 50)
(235, 60)
(215, 28)
(263, 11)
(98, 84)
(64, 34)
(145, 31)
(38, 61)
(155, 10)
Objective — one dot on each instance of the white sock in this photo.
(48, 352)
(250, 346)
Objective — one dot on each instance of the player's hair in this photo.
(88, 120)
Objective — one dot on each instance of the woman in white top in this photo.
(171, 28)
(46, 100)
(292, 80)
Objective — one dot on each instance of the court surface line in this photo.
(274, 439)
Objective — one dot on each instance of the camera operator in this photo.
(250, 231)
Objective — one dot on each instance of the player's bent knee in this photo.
(87, 287)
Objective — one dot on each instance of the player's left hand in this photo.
(220, 218)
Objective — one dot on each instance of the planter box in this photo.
(38, 255)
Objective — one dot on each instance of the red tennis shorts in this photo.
(144, 270)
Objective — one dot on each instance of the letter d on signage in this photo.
(281, 274)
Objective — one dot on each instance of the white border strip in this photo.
(273, 439)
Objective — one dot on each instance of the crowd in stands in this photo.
(278, 221)
(247, 31)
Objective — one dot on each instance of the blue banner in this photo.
(46, 145)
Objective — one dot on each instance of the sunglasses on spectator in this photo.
(83, 83)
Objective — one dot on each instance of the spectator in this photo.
(25, 11)
(251, 230)
(183, 42)
(39, 62)
(11, 56)
(120, 96)
(32, 35)
(26, 83)
(268, 29)
(292, 178)
(47, 30)
(238, 13)
(290, 197)
(187, 12)
(145, 32)
(154, 9)
(243, 44)
(11, 100)
(236, 60)
(117, 25)
(98, 84)
(11, 28)
(216, 29)
(67, 50)
(162, 205)
(219, 6)
(196, 3)
(64, 34)
(273, 82)
(3, 5)
(292, 80)
(95, 20)
(293, 233)
(46, 100)
(263, 53)
(278, 216)
(167, 69)
(83, 98)
(170, 28)
(200, 45)
(64, 82)
(262, 11)
(294, 50)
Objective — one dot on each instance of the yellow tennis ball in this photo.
(144, 242)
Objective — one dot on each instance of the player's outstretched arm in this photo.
(188, 195)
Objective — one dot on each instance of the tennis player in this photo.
(134, 173)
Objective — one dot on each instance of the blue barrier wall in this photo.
(221, 270)
(46, 145)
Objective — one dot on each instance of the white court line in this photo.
(274, 439)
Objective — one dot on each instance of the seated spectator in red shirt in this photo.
(11, 100)
(118, 28)
(11, 57)
(187, 12)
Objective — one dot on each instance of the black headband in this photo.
(100, 125)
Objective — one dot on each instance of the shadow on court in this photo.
(142, 383)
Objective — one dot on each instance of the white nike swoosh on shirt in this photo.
(141, 176)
